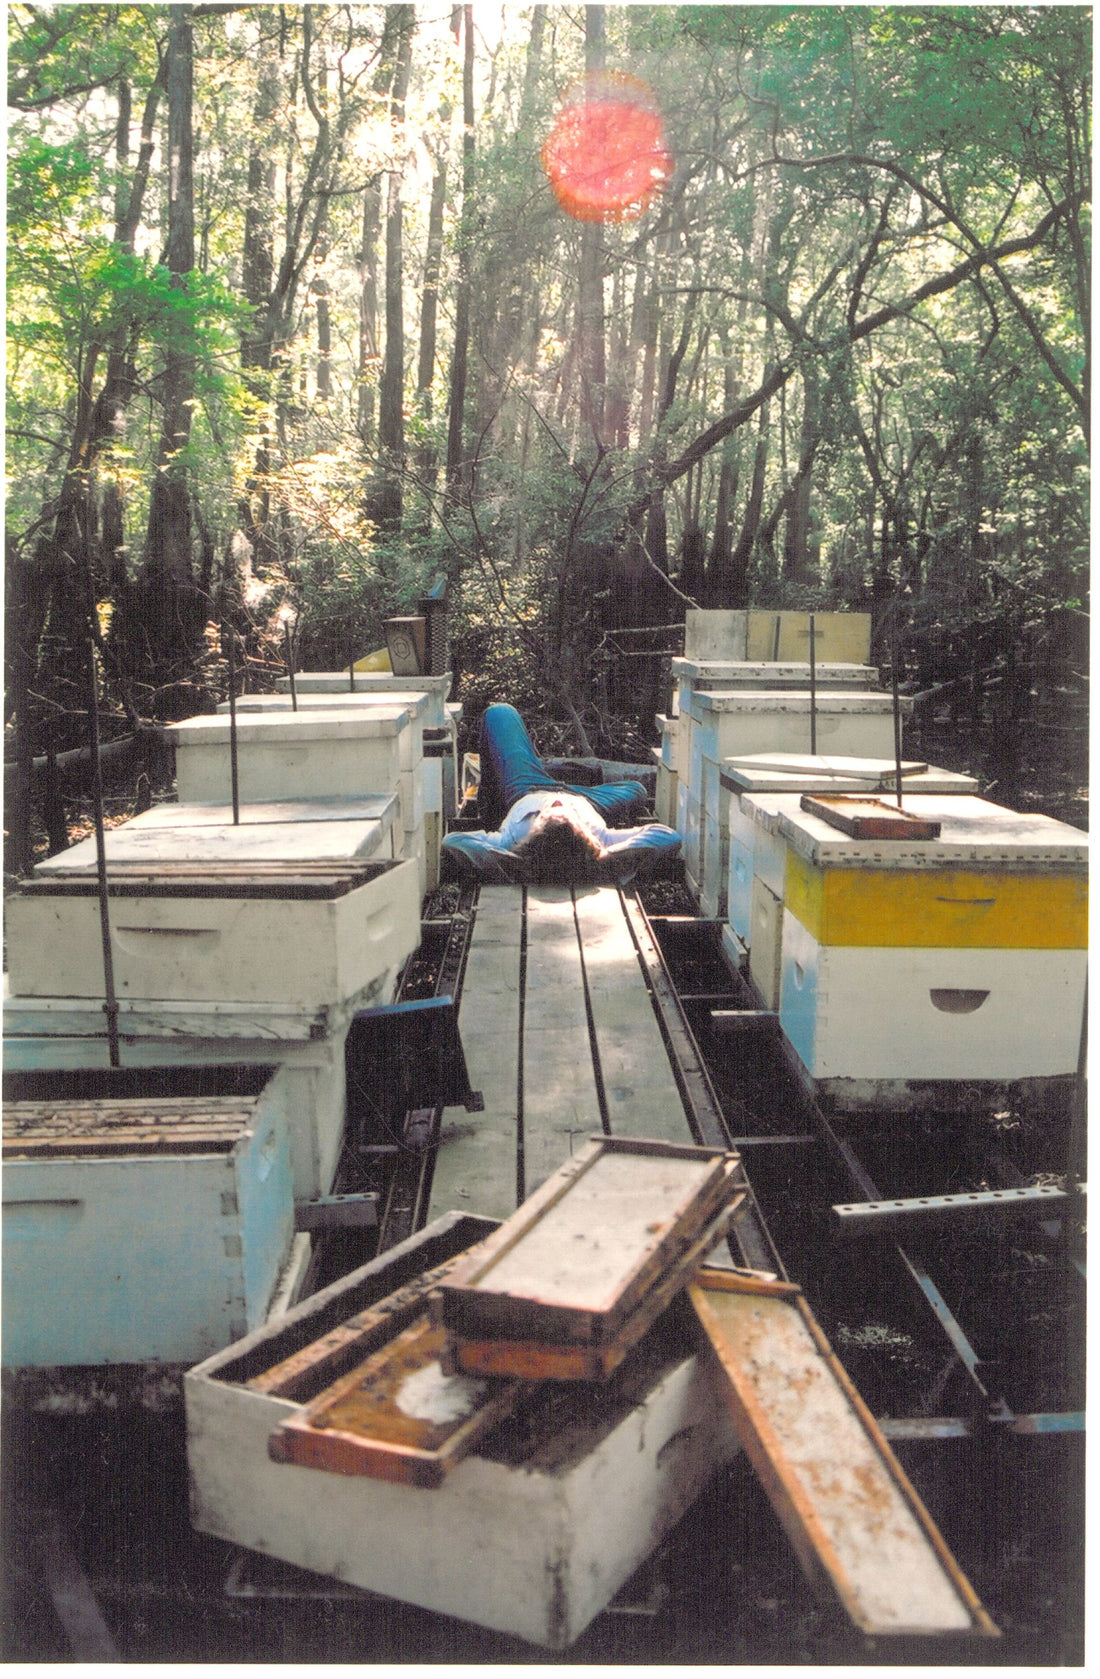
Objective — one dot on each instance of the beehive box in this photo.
(295, 755)
(692, 675)
(730, 860)
(68, 1036)
(141, 1228)
(844, 637)
(727, 723)
(532, 1535)
(203, 933)
(960, 958)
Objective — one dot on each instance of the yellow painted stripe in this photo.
(938, 908)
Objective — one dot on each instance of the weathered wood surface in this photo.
(852, 1516)
(588, 1043)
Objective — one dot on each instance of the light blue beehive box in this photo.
(147, 1223)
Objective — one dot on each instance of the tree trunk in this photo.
(457, 466)
(385, 505)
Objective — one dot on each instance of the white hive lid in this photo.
(366, 682)
(270, 842)
(972, 830)
(832, 703)
(742, 777)
(357, 807)
(416, 701)
(285, 728)
(795, 672)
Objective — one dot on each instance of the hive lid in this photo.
(366, 682)
(862, 817)
(286, 728)
(286, 843)
(826, 764)
(791, 672)
(832, 703)
(972, 830)
(361, 807)
(416, 700)
(230, 879)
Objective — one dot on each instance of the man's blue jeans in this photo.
(510, 767)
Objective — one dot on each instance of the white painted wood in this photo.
(363, 807)
(639, 1087)
(294, 755)
(560, 1104)
(475, 1164)
(765, 942)
(303, 951)
(270, 842)
(336, 682)
(535, 1546)
(417, 701)
(865, 1013)
(972, 830)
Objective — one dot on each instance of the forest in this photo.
(299, 327)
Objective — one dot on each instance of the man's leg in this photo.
(510, 766)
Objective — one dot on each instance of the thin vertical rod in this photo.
(233, 725)
(351, 675)
(110, 1006)
(897, 718)
(813, 687)
(290, 667)
(775, 644)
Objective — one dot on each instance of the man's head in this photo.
(558, 850)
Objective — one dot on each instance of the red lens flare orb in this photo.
(605, 156)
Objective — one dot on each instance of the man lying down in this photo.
(539, 831)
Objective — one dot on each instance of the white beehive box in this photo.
(295, 755)
(382, 808)
(142, 1228)
(726, 723)
(51, 1034)
(960, 958)
(532, 1540)
(692, 675)
(758, 775)
(218, 932)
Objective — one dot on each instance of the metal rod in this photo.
(233, 725)
(110, 1006)
(897, 719)
(813, 689)
(290, 667)
(351, 675)
(775, 644)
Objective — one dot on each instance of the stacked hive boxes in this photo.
(248, 944)
(757, 857)
(331, 751)
(440, 732)
(745, 684)
(955, 960)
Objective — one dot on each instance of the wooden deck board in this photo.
(560, 1103)
(477, 1164)
(640, 1090)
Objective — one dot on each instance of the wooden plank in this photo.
(575, 1260)
(852, 1516)
(640, 1091)
(560, 1102)
(397, 1417)
(475, 1164)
